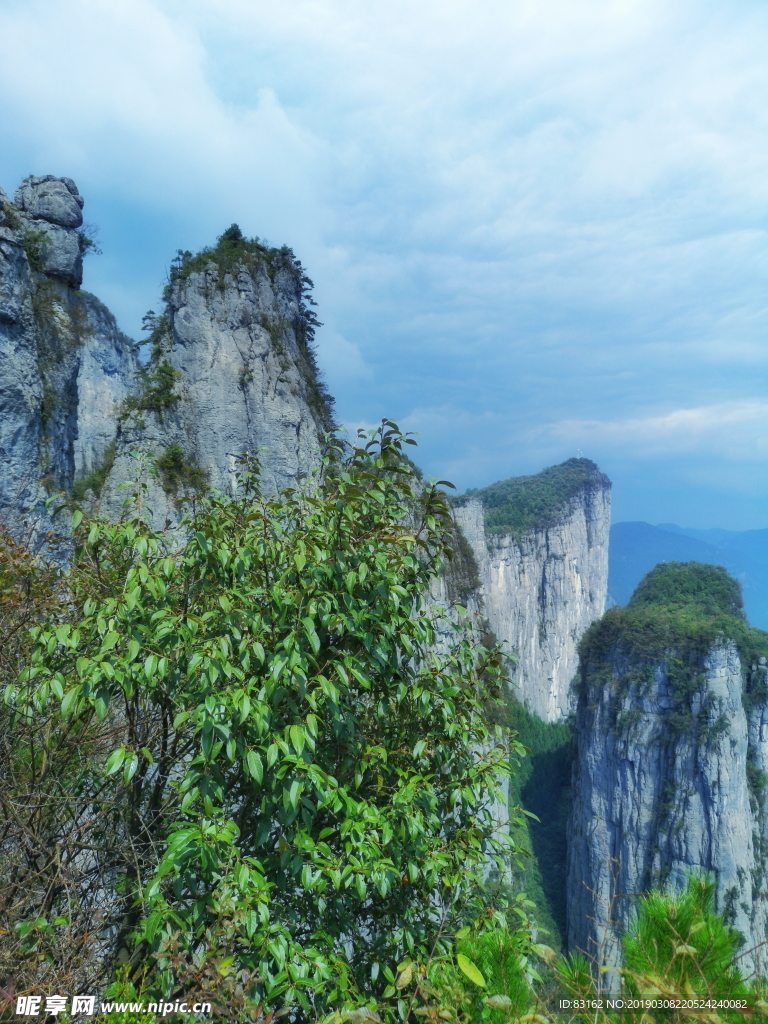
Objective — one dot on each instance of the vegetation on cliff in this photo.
(524, 504)
(680, 609)
(541, 784)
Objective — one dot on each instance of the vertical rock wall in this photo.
(669, 778)
(77, 407)
(64, 365)
(540, 591)
(245, 381)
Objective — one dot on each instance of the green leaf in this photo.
(109, 641)
(254, 766)
(297, 738)
(70, 701)
(468, 968)
(498, 1002)
(131, 763)
(404, 977)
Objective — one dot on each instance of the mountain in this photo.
(671, 757)
(540, 546)
(231, 369)
(635, 548)
(65, 367)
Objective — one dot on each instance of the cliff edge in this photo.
(672, 758)
(540, 548)
(231, 370)
(65, 367)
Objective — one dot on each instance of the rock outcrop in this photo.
(64, 365)
(672, 759)
(231, 370)
(540, 550)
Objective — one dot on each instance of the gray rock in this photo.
(246, 380)
(245, 385)
(58, 252)
(64, 365)
(654, 800)
(540, 593)
(52, 199)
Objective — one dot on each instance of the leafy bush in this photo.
(267, 757)
(488, 978)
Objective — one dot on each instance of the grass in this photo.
(523, 504)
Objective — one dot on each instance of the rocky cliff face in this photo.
(672, 753)
(64, 365)
(231, 370)
(540, 545)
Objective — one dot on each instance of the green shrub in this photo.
(489, 979)
(176, 472)
(35, 246)
(267, 757)
(95, 480)
(156, 391)
(676, 949)
(679, 945)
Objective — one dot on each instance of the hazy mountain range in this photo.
(636, 548)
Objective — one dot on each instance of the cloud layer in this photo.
(534, 229)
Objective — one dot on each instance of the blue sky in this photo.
(535, 229)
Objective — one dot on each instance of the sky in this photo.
(536, 230)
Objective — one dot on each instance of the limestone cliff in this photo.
(540, 547)
(64, 365)
(231, 370)
(672, 753)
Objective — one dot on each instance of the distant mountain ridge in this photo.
(635, 548)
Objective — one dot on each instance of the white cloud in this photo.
(513, 212)
(733, 431)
